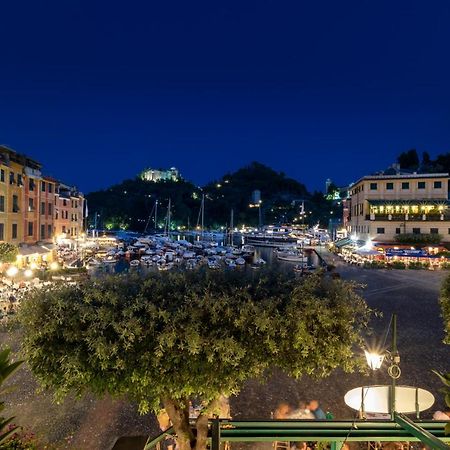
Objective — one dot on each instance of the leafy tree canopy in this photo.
(8, 252)
(409, 159)
(174, 337)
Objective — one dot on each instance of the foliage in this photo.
(397, 265)
(8, 252)
(7, 368)
(445, 265)
(374, 264)
(445, 378)
(20, 440)
(175, 337)
(409, 160)
(423, 238)
(417, 265)
(444, 300)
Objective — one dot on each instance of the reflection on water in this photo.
(266, 253)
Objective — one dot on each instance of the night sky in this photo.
(97, 91)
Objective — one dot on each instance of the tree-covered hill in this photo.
(128, 205)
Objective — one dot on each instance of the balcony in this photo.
(411, 218)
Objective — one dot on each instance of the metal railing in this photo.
(335, 431)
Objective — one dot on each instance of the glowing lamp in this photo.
(12, 271)
(54, 266)
(374, 360)
(28, 273)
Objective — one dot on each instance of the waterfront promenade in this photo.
(95, 424)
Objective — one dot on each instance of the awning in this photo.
(34, 250)
(423, 201)
(343, 242)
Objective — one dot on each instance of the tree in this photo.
(409, 160)
(445, 307)
(176, 337)
(8, 252)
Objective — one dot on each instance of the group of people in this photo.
(305, 410)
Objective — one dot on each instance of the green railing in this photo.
(335, 432)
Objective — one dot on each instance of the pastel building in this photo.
(384, 205)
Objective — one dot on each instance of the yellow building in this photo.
(11, 196)
(383, 206)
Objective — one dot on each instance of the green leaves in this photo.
(8, 252)
(184, 335)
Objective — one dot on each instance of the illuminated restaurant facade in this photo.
(384, 206)
(30, 204)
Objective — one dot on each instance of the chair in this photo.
(279, 445)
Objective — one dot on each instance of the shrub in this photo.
(416, 265)
(398, 265)
(410, 238)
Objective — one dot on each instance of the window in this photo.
(421, 185)
(49, 231)
(50, 188)
(42, 208)
(15, 203)
(397, 231)
(2, 231)
(19, 180)
(43, 186)
(2, 175)
(30, 204)
(14, 230)
(49, 209)
(389, 186)
(30, 228)
(373, 186)
(380, 230)
(31, 184)
(56, 215)
(11, 178)
(434, 230)
(42, 232)
(63, 228)
(2, 203)
(405, 185)
(416, 230)
(64, 202)
(438, 184)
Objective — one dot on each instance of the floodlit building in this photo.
(384, 205)
(155, 175)
(29, 204)
(69, 217)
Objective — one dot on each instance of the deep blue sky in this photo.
(98, 90)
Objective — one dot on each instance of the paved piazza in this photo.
(412, 294)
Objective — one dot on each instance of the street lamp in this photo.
(375, 361)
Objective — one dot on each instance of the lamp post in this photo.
(375, 361)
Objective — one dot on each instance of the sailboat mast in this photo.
(203, 214)
(168, 217)
(231, 226)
